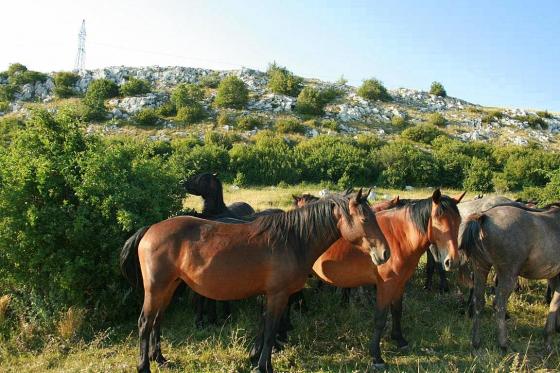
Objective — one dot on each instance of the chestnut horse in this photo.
(409, 229)
(271, 255)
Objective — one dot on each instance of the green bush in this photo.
(534, 121)
(330, 124)
(289, 125)
(224, 118)
(373, 89)
(146, 117)
(191, 114)
(168, 109)
(97, 92)
(491, 116)
(437, 119)
(186, 95)
(337, 160)
(544, 114)
(211, 80)
(249, 122)
(232, 93)
(19, 75)
(4, 106)
(550, 193)
(62, 191)
(188, 160)
(282, 81)
(64, 82)
(135, 87)
(403, 164)
(478, 177)
(7, 92)
(437, 89)
(454, 158)
(399, 121)
(310, 101)
(267, 162)
(331, 93)
(424, 133)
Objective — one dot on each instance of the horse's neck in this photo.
(401, 233)
(214, 205)
(319, 246)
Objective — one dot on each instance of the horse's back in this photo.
(241, 209)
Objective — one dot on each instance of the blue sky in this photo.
(495, 53)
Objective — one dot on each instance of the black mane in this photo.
(420, 210)
(300, 228)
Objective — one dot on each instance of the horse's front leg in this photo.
(430, 266)
(480, 277)
(506, 285)
(396, 331)
(275, 306)
(380, 321)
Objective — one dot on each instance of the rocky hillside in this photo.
(353, 113)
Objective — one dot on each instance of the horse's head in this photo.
(202, 184)
(362, 230)
(443, 229)
(304, 199)
(387, 204)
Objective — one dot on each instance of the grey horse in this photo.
(516, 241)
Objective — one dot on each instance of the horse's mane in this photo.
(420, 210)
(298, 228)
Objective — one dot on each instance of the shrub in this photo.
(331, 93)
(330, 124)
(186, 95)
(211, 80)
(454, 158)
(534, 121)
(147, 117)
(282, 81)
(64, 82)
(134, 87)
(267, 162)
(248, 122)
(7, 92)
(168, 109)
(404, 164)
(19, 75)
(437, 89)
(225, 118)
(337, 160)
(225, 140)
(191, 114)
(61, 191)
(491, 116)
(4, 106)
(478, 177)
(310, 101)
(187, 161)
(544, 114)
(289, 125)
(437, 119)
(373, 89)
(232, 93)
(98, 91)
(548, 194)
(399, 121)
(424, 133)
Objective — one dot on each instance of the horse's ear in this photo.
(457, 200)
(396, 200)
(358, 198)
(368, 193)
(348, 191)
(436, 197)
(296, 198)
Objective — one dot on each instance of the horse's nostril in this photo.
(385, 255)
(447, 263)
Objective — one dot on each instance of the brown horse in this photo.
(409, 229)
(272, 255)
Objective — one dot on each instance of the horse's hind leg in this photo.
(155, 336)
(443, 285)
(552, 319)
(480, 277)
(396, 331)
(506, 285)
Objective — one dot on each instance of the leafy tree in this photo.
(186, 95)
(373, 89)
(437, 89)
(310, 101)
(97, 92)
(190, 114)
(232, 93)
(64, 82)
(282, 81)
(478, 177)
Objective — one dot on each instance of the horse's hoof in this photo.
(475, 345)
(145, 369)
(444, 289)
(162, 361)
(379, 366)
(503, 350)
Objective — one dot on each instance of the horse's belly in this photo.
(536, 271)
(227, 285)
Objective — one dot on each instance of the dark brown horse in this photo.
(272, 255)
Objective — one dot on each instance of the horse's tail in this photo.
(129, 262)
(471, 240)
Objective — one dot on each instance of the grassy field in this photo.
(331, 336)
